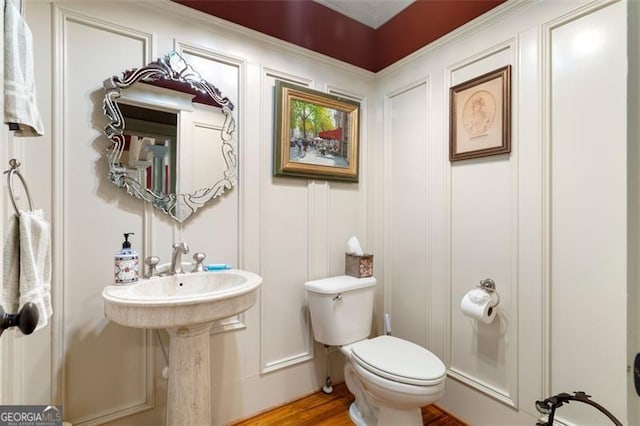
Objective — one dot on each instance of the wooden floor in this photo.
(331, 410)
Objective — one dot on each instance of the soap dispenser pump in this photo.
(127, 263)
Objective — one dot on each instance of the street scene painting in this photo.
(481, 116)
(316, 134)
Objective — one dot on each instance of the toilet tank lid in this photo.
(339, 284)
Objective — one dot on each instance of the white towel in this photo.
(20, 107)
(11, 268)
(27, 265)
(35, 264)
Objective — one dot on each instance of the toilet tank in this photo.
(341, 308)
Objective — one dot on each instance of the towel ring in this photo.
(15, 164)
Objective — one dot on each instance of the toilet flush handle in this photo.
(338, 297)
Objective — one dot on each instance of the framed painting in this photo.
(480, 116)
(316, 134)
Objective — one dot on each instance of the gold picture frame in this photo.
(480, 116)
(316, 134)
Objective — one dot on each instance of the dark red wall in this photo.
(316, 27)
(302, 22)
(423, 22)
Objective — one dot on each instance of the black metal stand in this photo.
(26, 320)
(549, 405)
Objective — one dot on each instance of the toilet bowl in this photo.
(391, 378)
(398, 378)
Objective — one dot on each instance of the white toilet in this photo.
(390, 378)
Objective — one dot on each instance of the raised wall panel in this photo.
(93, 215)
(483, 220)
(481, 247)
(407, 278)
(345, 213)
(220, 218)
(288, 212)
(588, 207)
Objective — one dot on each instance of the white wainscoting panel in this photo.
(220, 217)
(588, 179)
(483, 222)
(482, 219)
(91, 224)
(346, 201)
(289, 204)
(407, 275)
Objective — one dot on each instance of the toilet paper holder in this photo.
(489, 286)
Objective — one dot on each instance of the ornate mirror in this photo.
(171, 136)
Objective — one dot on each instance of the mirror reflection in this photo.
(150, 137)
(171, 134)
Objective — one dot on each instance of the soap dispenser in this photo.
(127, 264)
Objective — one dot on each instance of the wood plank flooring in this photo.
(321, 409)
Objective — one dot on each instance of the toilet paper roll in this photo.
(484, 312)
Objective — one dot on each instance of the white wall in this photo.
(286, 230)
(547, 222)
(633, 164)
(26, 361)
(436, 228)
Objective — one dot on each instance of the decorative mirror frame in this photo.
(171, 67)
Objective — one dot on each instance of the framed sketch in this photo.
(480, 116)
(316, 134)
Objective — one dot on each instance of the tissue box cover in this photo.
(358, 266)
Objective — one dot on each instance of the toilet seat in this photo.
(399, 360)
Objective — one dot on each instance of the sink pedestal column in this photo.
(189, 395)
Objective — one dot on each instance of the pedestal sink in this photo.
(185, 305)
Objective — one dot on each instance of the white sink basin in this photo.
(181, 300)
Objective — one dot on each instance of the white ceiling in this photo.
(373, 13)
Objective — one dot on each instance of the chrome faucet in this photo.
(176, 259)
